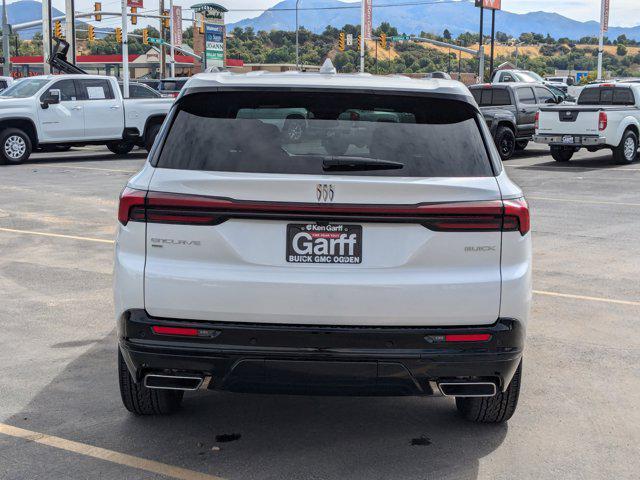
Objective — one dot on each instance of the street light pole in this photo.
(172, 51)
(6, 69)
(362, 43)
(297, 42)
(125, 51)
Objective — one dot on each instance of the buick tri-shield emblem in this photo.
(324, 192)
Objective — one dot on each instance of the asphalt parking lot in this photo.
(60, 410)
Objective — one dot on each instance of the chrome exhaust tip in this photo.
(173, 382)
(468, 389)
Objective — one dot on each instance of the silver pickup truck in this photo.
(607, 116)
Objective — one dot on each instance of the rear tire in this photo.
(120, 148)
(627, 151)
(506, 142)
(15, 146)
(141, 400)
(561, 154)
(496, 409)
(152, 133)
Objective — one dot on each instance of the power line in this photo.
(343, 7)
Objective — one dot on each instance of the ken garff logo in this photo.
(324, 192)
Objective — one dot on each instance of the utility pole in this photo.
(163, 49)
(481, 48)
(362, 42)
(125, 51)
(604, 26)
(46, 35)
(297, 41)
(171, 27)
(493, 39)
(6, 69)
(70, 26)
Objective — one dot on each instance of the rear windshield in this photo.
(491, 96)
(324, 134)
(606, 96)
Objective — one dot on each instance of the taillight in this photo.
(537, 122)
(602, 121)
(516, 216)
(131, 199)
(487, 216)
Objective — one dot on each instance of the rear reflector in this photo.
(471, 337)
(159, 207)
(187, 332)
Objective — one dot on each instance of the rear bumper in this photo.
(578, 140)
(272, 358)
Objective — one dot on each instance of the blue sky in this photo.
(624, 13)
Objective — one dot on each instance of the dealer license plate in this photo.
(329, 243)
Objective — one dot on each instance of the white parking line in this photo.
(585, 297)
(104, 454)
(55, 235)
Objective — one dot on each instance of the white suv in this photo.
(381, 250)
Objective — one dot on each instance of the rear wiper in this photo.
(346, 163)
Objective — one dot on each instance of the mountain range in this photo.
(458, 17)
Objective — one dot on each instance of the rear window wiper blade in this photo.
(346, 163)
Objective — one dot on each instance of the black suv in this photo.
(510, 111)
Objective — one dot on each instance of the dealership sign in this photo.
(176, 17)
(490, 4)
(214, 45)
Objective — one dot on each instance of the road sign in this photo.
(135, 3)
(399, 38)
(156, 41)
(349, 39)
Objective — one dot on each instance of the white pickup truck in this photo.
(57, 111)
(607, 116)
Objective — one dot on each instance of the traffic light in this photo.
(165, 19)
(119, 35)
(97, 7)
(341, 42)
(383, 40)
(57, 29)
(145, 36)
(134, 19)
(201, 27)
(359, 41)
(91, 35)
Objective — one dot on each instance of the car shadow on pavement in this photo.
(238, 436)
(604, 162)
(92, 156)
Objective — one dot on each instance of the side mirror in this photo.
(52, 97)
